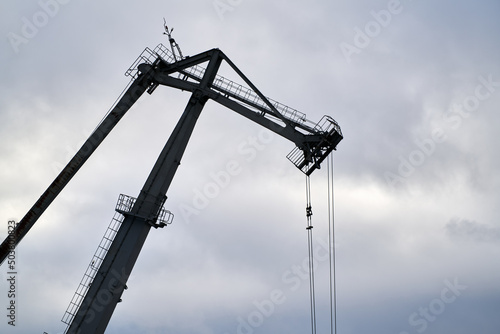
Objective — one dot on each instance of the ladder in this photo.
(123, 207)
(93, 267)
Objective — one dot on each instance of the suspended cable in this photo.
(331, 244)
(311, 254)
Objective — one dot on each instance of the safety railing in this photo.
(92, 269)
(225, 86)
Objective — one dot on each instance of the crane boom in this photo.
(314, 142)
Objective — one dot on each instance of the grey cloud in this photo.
(463, 229)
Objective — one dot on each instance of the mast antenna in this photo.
(173, 44)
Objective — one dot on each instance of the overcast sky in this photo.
(415, 86)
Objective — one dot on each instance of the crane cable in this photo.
(311, 254)
(331, 245)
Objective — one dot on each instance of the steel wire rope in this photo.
(311, 254)
(331, 245)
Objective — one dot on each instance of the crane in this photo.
(105, 280)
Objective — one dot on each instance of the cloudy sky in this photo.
(415, 86)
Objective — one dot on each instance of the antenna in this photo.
(173, 44)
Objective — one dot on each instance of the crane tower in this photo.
(105, 279)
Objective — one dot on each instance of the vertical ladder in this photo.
(123, 205)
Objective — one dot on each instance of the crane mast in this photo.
(91, 312)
